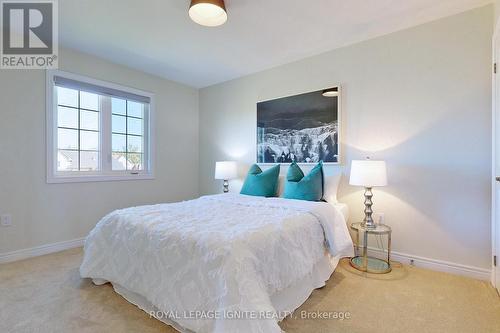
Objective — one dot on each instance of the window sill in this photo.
(97, 178)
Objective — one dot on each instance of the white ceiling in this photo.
(157, 36)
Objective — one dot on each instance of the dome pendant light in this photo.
(210, 13)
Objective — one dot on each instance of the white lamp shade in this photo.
(368, 173)
(225, 170)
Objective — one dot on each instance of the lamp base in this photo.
(369, 226)
(368, 222)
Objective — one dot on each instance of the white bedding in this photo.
(204, 260)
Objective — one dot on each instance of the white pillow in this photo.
(331, 187)
(281, 185)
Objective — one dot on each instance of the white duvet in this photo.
(206, 260)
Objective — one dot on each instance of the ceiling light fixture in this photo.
(331, 92)
(210, 13)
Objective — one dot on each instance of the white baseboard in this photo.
(432, 264)
(40, 250)
(436, 265)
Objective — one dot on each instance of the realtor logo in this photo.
(29, 34)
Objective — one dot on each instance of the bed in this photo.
(219, 263)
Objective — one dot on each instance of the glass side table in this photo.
(362, 261)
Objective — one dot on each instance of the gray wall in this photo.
(419, 99)
(48, 213)
(496, 5)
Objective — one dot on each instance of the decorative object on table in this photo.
(261, 183)
(369, 174)
(209, 13)
(301, 187)
(302, 128)
(366, 263)
(226, 170)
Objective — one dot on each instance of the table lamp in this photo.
(368, 173)
(225, 170)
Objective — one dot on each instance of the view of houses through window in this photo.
(127, 134)
(78, 118)
(80, 135)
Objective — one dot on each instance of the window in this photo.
(97, 130)
(127, 122)
(78, 115)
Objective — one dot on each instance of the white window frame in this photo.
(105, 173)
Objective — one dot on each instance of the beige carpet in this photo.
(46, 294)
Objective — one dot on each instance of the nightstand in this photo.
(362, 261)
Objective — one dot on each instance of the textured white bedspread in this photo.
(221, 255)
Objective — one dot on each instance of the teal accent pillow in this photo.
(294, 173)
(302, 187)
(261, 183)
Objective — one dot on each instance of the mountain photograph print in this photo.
(302, 128)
